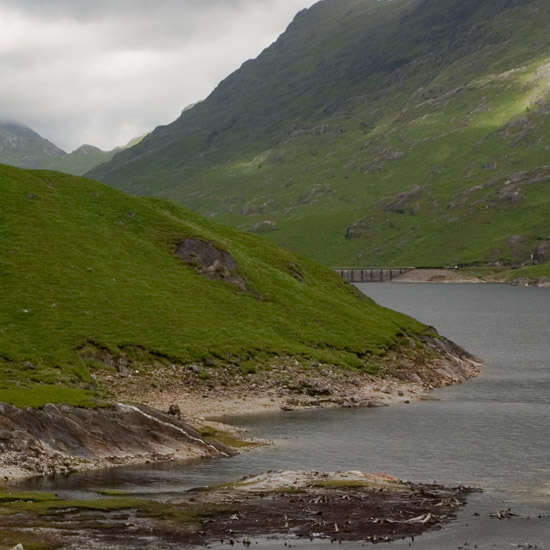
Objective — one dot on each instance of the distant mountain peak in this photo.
(19, 130)
(86, 149)
(22, 147)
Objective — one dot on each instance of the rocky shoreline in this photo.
(540, 282)
(420, 275)
(402, 376)
(62, 439)
(59, 439)
(336, 507)
(443, 275)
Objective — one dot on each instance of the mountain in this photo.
(404, 132)
(94, 281)
(22, 147)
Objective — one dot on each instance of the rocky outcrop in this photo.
(266, 226)
(542, 253)
(357, 229)
(406, 202)
(454, 364)
(210, 261)
(60, 438)
(521, 281)
(541, 282)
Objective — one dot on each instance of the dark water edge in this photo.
(493, 432)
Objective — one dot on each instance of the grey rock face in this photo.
(522, 281)
(211, 262)
(543, 282)
(57, 438)
(542, 253)
(265, 227)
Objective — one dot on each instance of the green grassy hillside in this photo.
(87, 271)
(411, 132)
(79, 161)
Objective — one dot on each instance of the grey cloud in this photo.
(104, 71)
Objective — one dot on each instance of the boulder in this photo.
(522, 281)
(543, 282)
(542, 253)
(211, 261)
(265, 227)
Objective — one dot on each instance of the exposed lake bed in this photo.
(335, 507)
(491, 432)
(166, 409)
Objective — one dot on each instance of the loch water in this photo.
(492, 432)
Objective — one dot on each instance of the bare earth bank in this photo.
(337, 506)
(435, 276)
(63, 439)
(443, 275)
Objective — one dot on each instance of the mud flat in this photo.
(342, 506)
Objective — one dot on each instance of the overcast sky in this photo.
(105, 71)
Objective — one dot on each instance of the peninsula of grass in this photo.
(91, 279)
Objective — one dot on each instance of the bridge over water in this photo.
(371, 274)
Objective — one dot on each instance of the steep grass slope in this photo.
(410, 132)
(89, 274)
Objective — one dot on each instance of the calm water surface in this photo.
(492, 432)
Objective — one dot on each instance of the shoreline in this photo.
(450, 276)
(61, 439)
(405, 375)
(283, 505)
(370, 393)
(446, 276)
(216, 412)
